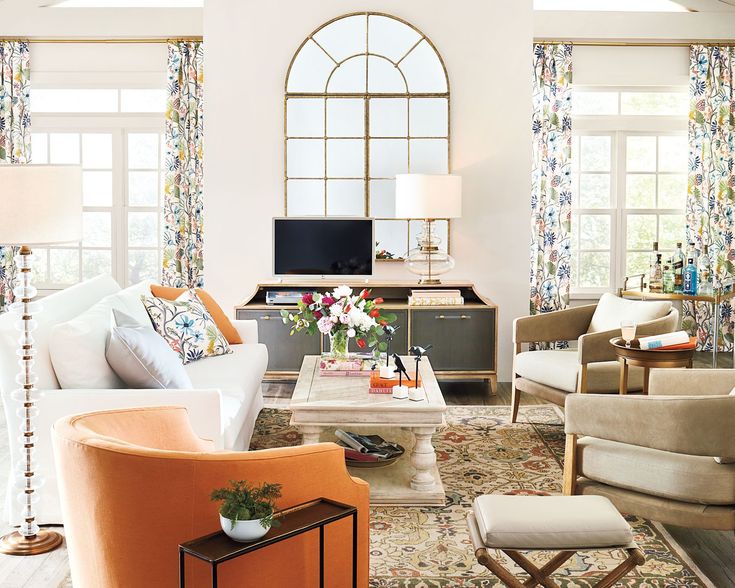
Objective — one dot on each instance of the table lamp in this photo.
(428, 197)
(41, 205)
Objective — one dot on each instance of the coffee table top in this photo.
(327, 400)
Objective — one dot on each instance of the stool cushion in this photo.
(550, 522)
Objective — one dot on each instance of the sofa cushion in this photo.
(77, 347)
(612, 309)
(689, 478)
(237, 376)
(559, 368)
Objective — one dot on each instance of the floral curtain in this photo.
(15, 135)
(711, 192)
(551, 189)
(183, 262)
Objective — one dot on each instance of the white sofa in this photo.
(223, 405)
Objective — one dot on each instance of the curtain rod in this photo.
(709, 43)
(142, 40)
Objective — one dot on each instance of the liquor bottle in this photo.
(656, 278)
(704, 273)
(668, 281)
(652, 262)
(678, 269)
(690, 277)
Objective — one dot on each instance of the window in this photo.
(629, 169)
(122, 159)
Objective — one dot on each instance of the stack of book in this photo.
(435, 298)
(668, 341)
(367, 447)
(380, 385)
(354, 367)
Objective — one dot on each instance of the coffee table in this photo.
(321, 404)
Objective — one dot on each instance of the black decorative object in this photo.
(418, 352)
(400, 369)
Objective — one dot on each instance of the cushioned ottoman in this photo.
(561, 523)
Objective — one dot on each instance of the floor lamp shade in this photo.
(41, 204)
(428, 196)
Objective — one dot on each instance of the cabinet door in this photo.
(462, 339)
(400, 340)
(285, 352)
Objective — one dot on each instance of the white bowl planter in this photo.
(243, 531)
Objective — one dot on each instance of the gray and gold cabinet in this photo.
(464, 338)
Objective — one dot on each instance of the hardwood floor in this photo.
(712, 551)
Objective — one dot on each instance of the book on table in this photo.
(350, 367)
(435, 298)
(380, 385)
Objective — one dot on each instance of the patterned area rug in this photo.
(479, 452)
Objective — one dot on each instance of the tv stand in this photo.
(464, 337)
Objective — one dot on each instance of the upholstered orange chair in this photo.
(135, 483)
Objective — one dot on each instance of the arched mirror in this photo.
(367, 97)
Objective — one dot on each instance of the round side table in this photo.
(647, 359)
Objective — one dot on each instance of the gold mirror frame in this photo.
(366, 96)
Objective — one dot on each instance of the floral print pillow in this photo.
(186, 326)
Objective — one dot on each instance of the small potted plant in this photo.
(246, 513)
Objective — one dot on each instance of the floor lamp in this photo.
(40, 205)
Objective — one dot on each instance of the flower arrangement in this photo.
(343, 316)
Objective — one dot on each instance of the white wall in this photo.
(486, 47)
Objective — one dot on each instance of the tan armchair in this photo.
(592, 366)
(652, 456)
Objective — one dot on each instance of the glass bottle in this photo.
(656, 278)
(668, 280)
(704, 271)
(652, 262)
(678, 269)
(690, 277)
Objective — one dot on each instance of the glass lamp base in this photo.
(427, 260)
(42, 542)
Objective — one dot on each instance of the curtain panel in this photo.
(710, 206)
(183, 207)
(15, 136)
(551, 179)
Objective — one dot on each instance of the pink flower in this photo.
(318, 314)
(344, 319)
(308, 298)
(324, 325)
(327, 300)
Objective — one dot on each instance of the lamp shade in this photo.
(41, 204)
(428, 196)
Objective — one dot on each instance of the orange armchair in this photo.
(134, 483)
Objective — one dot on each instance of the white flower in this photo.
(335, 309)
(351, 333)
(342, 291)
(324, 325)
(344, 319)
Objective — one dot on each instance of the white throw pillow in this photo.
(612, 309)
(77, 347)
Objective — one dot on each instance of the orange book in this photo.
(387, 383)
(691, 345)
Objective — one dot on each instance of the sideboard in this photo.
(464, 337)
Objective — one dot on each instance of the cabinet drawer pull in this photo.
(266, 317)
(461, 317)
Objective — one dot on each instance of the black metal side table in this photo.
(218, 548)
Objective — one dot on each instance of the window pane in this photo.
(594, 191)
(54, 100)
(575, 153)
(40, 266)
(673, 152)
(672, 231)
(654, 103)
(143, 151)
(143, 100)
(636, 263)
(95, 263)
(97, 188)
(585, 103)
(640, 191)
(64, 266)
(97, 150)
(143, 265)
(594, 269)
(641, 231)
(641, 154)
(672, 190)
(143, 229)
(143, 188)
(97, 229)
(595, 153)
(594, 231)
(39, 147)
(64, 148)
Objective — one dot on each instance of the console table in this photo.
(464, 337)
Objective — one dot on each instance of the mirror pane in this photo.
(305, 198)
(344, 37)
(345, 197)
(383, 76)
(345, 117)
(423, 70)
(390, 37)
(388, 157)
(441, 228)
(388, 117)
(348, 77)
(382, 198)
(310, 69)
(305, 158)
(429, 156)
(429, 117)
(391, 237)
(305, 117)
(345, 158)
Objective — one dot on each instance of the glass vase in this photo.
(338, 340)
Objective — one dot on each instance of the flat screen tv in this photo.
(323, 246)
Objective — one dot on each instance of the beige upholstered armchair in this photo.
(592, 366)
(653, 456)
